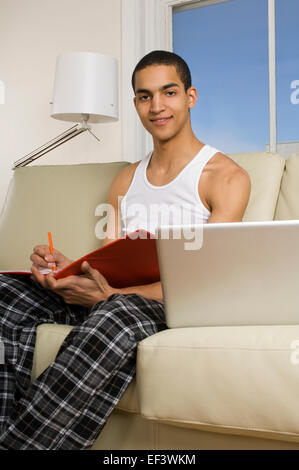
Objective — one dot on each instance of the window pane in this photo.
(287, 75)
(226, 47)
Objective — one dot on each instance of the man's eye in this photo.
(171, 93)
(143, 98)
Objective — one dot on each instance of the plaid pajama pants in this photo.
(68, 405)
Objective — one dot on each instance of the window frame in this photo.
(146, 26)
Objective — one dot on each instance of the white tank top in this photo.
(146, 206)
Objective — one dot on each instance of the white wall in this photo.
(32, 34)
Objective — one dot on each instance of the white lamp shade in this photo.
(85, 83)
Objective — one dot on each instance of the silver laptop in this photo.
(244, 273)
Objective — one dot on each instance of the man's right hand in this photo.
(42, 258)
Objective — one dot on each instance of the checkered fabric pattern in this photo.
(69, 403)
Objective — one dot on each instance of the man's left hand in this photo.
(85, 290)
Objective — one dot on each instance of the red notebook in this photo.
(128, 261)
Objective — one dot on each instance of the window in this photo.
(226, 46)
(287, 76)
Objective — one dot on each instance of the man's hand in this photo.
(42, 258)
(85, 290)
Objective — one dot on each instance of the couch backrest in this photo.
(265, 170)
(59, 198)
(63, 198)
(288, 201)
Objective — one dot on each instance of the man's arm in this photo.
(149, 291)
(118, 188)
(229, 195)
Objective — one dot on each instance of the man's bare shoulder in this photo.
(222, 170)
(127, 172)
(227, 187)
(222, 166)
(121, 182)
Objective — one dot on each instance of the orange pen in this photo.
(51, 247)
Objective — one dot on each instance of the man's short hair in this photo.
(165, 58)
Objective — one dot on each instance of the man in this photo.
(69, 404)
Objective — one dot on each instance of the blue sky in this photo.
(226, 48)
(287, 68)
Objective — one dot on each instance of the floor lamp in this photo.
(85, 91)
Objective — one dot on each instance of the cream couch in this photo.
(195, 388)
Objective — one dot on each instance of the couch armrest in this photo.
(222, 379)
(49, 338)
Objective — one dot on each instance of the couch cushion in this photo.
(265, 170)
(48, 341)
(57, 198)
(288, 201)
(238, 380)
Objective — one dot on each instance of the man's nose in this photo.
(157, 104)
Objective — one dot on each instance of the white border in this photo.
(146, 26)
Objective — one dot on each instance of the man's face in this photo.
(162, 102)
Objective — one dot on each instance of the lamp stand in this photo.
(52, 144)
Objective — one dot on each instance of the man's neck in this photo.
(177, 151)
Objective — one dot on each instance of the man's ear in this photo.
(134, 99)
(192, 96)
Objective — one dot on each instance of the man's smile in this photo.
(160, 121)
